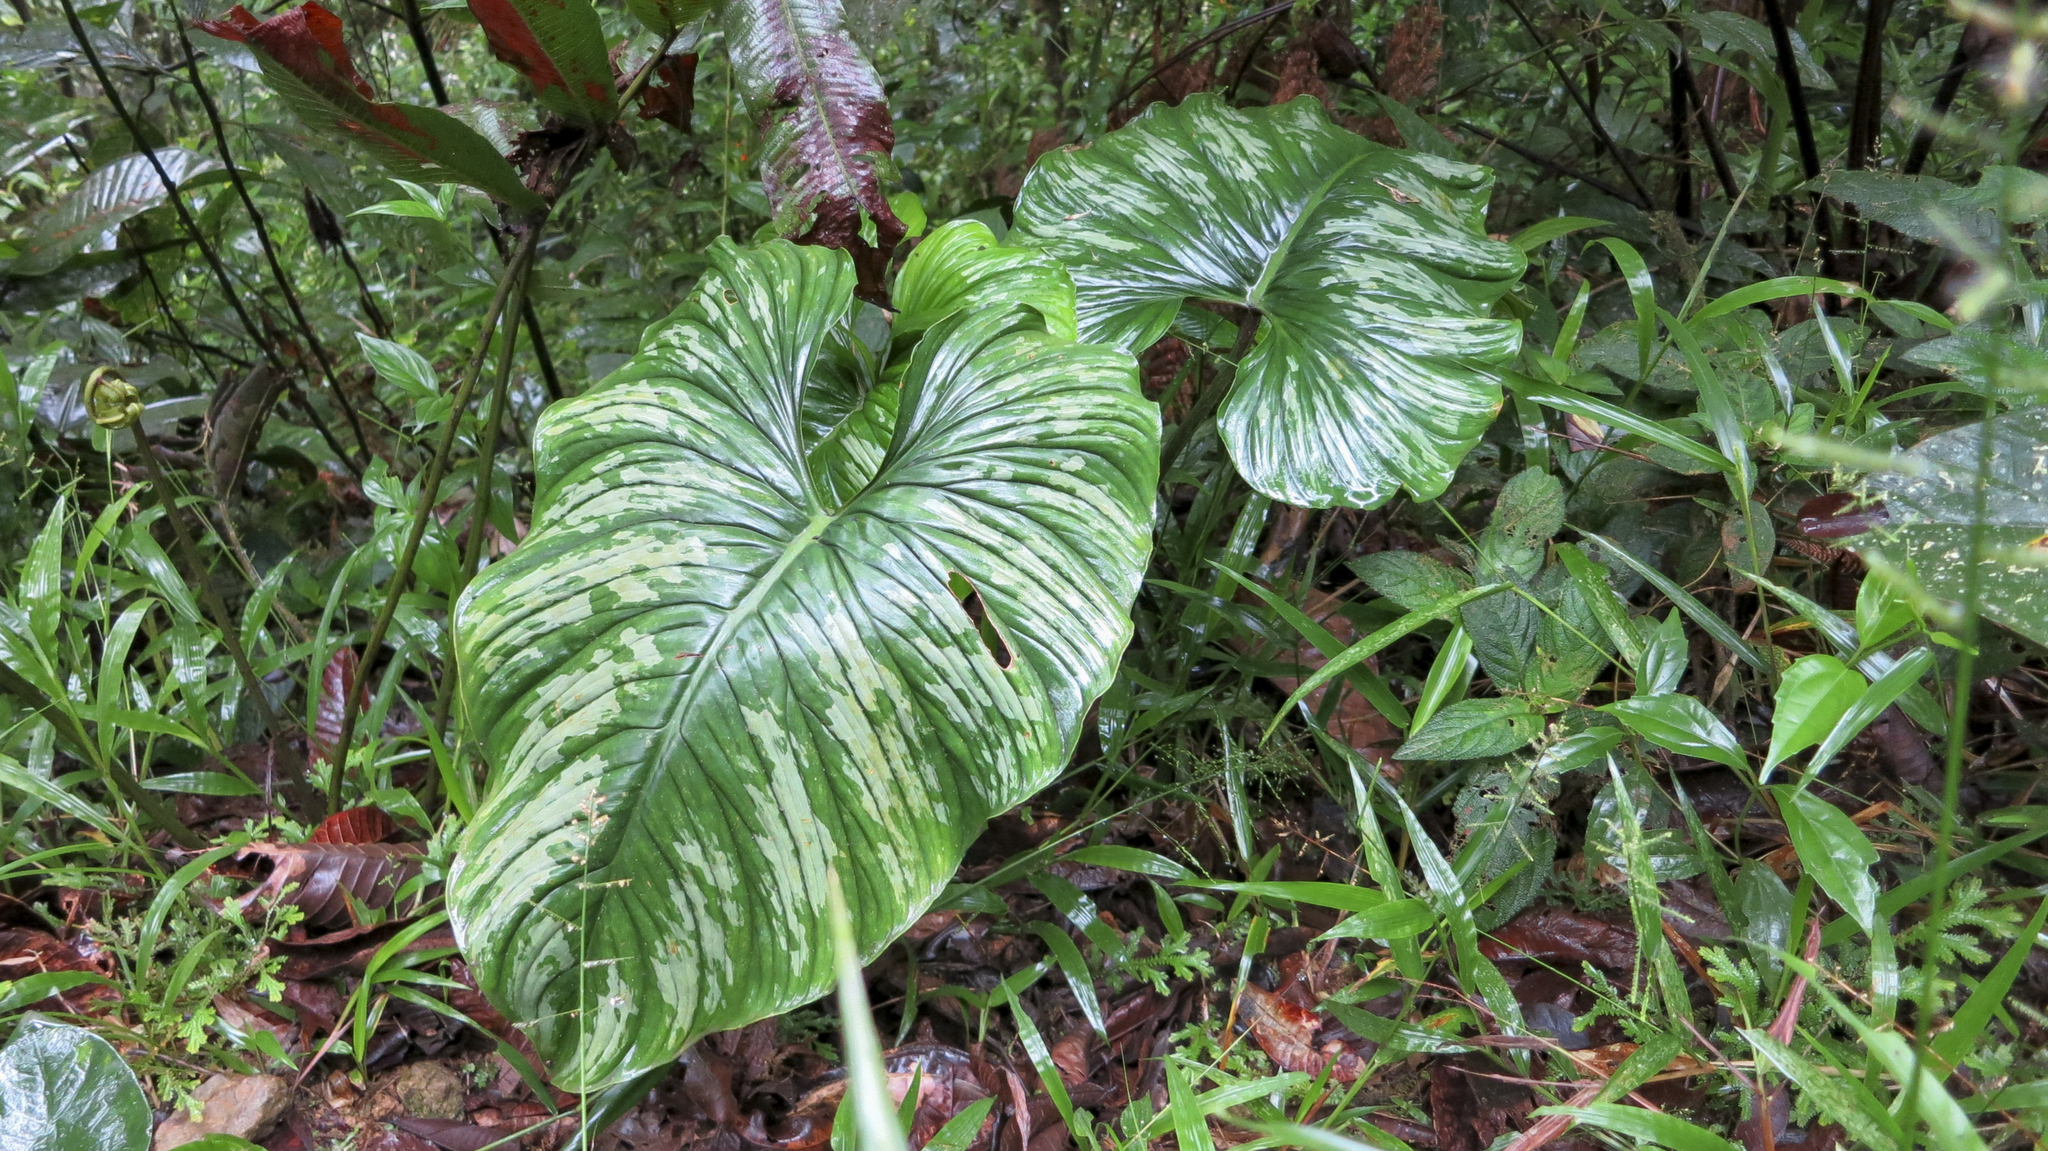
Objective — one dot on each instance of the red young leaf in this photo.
(357, 825)
(1839, 516)
(826, 127)
(337, 679)
(559, 46)
(306, 41)
(306, 62)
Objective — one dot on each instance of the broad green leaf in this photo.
(1833, 850)
(1644, 1126)
(1870, 703)
(961, 266)
(1397, 919)
(1932, 513)
(1682, 724)
(1813, 694)
(703, 680)
(1474, 729)
(1664, 656)
(63, 1087)
(85, 219)
(1557, 227)
(559, 46)
(1376, 365)
(305, 61)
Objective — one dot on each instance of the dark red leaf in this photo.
(306, 41)
(337, 679)
(675, 96)
(357, 825)
(1839, 516)
(320, 878)
(1559, 933)
(559, 46)
(306, 62)
(825, 125)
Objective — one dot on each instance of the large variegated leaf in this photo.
(825, 126)
(705, 679)
(1374, 367)
(1934, 528)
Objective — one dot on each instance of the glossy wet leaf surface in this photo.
(707, 677)
(1373, 369)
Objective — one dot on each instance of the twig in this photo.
(1944, 98)
(430, 488)
(1628, 171)
(277, 272)
(1199, 43)
(1544, 161)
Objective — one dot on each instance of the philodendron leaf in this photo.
(1931, 513)
(306, 62)
(703, 679)
(63, 1087)
(960, 265)
(1375, 366)
(559, 46)
(115, 193)
(825, 126)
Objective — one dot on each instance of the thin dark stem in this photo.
(378, 323)
(1795, 91)
(1211, 396)
(177, 198)
(1944, 99)
(416, 26)
(1709, 132)
(277, 272)
(1642, 195)
(430, 488)
(541, 357)
(1544, 161)
(304, 800)
(1681, 148)
(1866, 118)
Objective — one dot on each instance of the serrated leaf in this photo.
(704, 678)
(825, 126)
(306, 62)
(1474, 729)
(1930, 515)
(62, 1087)
(1376, 365)
(86, 217)
(559, 46)
(1415, 582)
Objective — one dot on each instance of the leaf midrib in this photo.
(686, 697)
(1256, 297)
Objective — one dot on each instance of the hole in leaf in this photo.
(970, 602)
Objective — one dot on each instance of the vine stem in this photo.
(1211, 396)
(510, 291)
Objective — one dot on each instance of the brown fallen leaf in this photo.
(321, 878)
(357, 825)
(1286, 1032)
(1555, 934)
